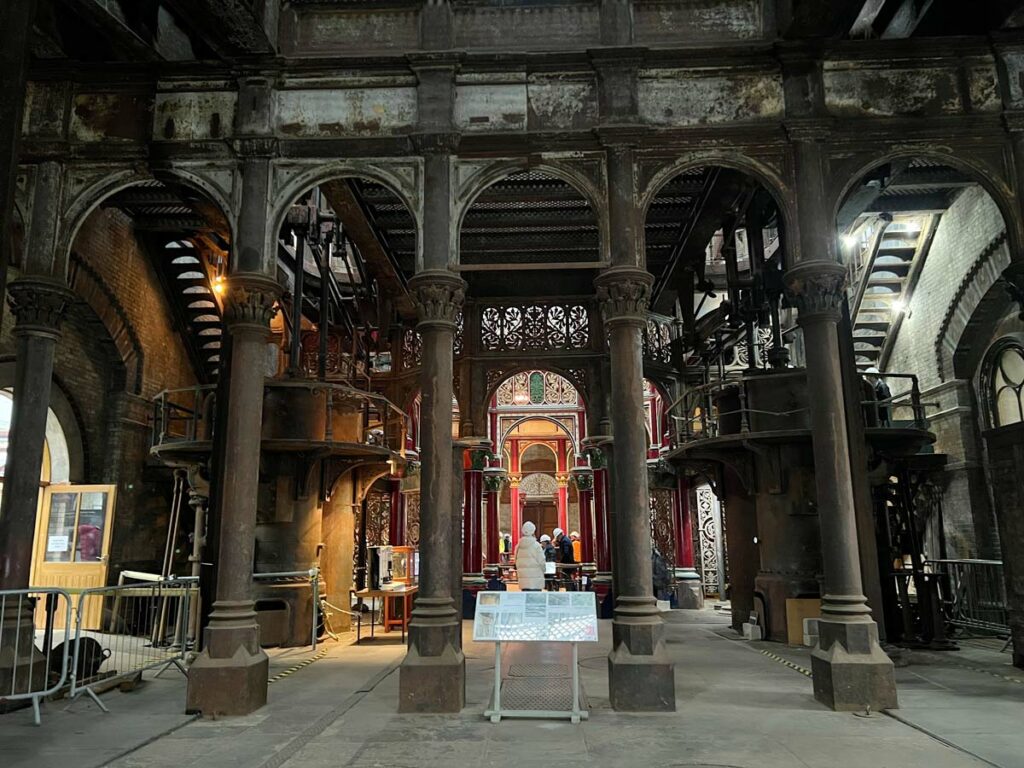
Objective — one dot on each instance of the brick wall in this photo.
(964, 232)
(88, 367)
(107, 243)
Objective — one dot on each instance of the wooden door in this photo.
(72, 542)
(544, 515)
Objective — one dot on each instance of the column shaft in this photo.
(396, 518)
(432, 676)
(229, 677)
(493, 548)
(471, 521)
(640, 674)
(586, 498)
(603, 550)
(38, 306)
(850, 669)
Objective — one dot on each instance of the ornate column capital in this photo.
(249, 302)
(624, 293)
(514, 481)
(562, 480)
(816, 289)
(38, 305)
(438, 295)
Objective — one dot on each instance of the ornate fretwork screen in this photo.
(709, 522)
(412, 518)
(539, 485)
(412, 343)
(658, 340)
(534, 327)
(662, 532)
(542, 388)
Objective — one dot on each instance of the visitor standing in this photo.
(530, 560)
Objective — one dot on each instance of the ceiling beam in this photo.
(231, 28)
(122, 39)
(801, 19)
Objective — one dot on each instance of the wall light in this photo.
(850, 241)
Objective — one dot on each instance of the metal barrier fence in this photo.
(291, 577)
(144, 626)
(974, 594)
(30, 666)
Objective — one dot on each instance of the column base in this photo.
(227, 686)
(432, 678)
(851, 671)
(640, 676)
(689, 591)
(230, 676)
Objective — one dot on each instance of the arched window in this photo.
(56, 459)
(1006, 384)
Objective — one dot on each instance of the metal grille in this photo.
(538, 670)
(537, 693)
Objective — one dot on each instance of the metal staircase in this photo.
(194, 303)
(888, 261)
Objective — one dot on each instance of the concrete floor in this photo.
(738, 707)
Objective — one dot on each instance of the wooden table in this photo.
(403, 592)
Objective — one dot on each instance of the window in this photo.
(56, 457)
(1006, 384)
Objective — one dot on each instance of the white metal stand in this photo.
(576, 714)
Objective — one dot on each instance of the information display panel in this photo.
(535, 617)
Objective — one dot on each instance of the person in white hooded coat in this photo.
(530, 560)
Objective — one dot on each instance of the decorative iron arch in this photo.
(483, 178)
(90, 198)
(405, 188)
(534, 417)
(768, 177)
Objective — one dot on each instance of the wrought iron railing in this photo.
(724, 407)
(188, 414)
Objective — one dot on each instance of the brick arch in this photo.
(976, 302)
(87, 283)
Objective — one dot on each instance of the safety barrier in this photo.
(30, 666)
(974, 594)
(144, 625)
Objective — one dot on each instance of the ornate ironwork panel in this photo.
(412, 349)
(662, 531)
(412, 518)
(537, 388)
(657, 339)
(378, 517)
(539, 484)
(708, 527)
(534, 327)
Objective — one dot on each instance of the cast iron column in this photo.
(851, 671)
(640, 673)
(229, 677)
(603, 550)
(396, 516)
(492, 488)
(472, 511)
(432, 675)
(585, 493)
(38, 305)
